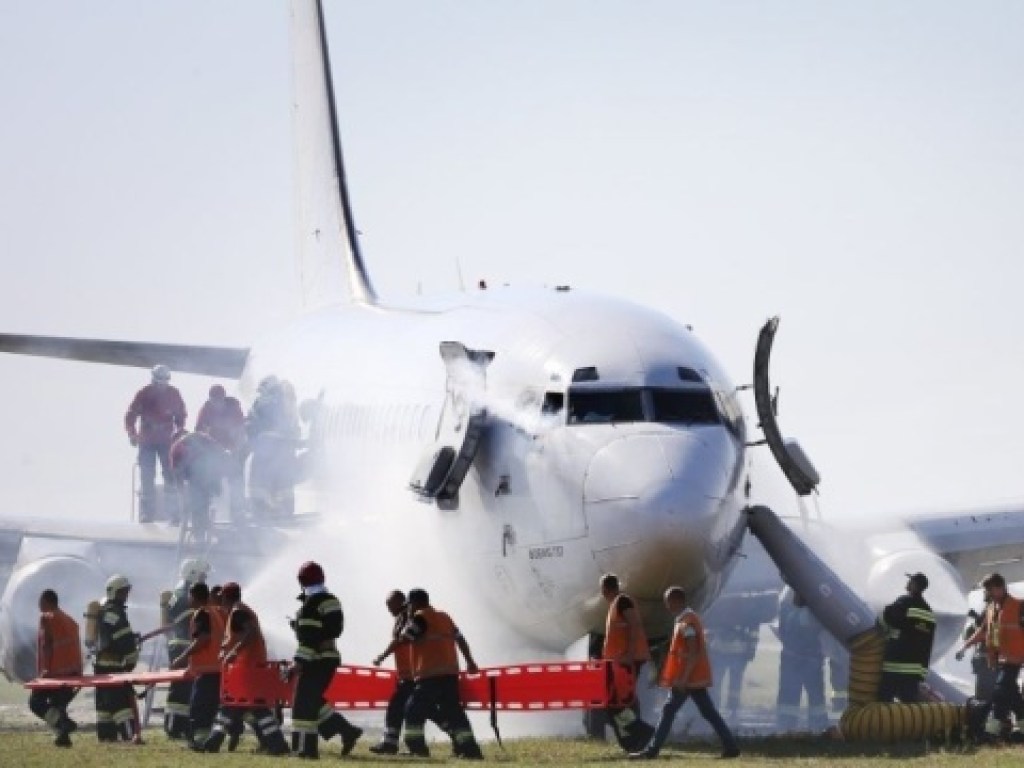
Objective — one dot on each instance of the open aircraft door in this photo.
(787, 452)
(443, 468)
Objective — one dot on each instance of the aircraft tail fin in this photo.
(226, 362)
(331, 264)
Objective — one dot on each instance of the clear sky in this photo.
(855, 167)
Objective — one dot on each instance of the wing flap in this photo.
(226, 362)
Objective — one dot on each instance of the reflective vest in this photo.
(433, 654)
(1004, 636)
(403, 649)
(673, 674)
(254, 651)
(59, 646)
(203, 660)
(617, 631)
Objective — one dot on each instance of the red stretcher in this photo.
(106, 681)
(515, 688)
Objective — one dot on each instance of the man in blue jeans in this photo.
(687, 675)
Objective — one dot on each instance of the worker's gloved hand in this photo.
(378, 661)
(960, 655)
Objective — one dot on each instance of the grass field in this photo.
(32, 748)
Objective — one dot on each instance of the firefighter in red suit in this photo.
(221, 417)
(159, 409)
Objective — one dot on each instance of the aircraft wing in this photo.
(225, 362)
(977, 542)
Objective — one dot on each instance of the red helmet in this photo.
(311, 574)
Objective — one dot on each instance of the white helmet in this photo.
(161, 373)
(115, 584)
(194, 570)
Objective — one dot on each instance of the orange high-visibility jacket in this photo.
(687, 627)
(618, 632)
(254, 651)
(59, 645)
(434, 653)
(203, 660)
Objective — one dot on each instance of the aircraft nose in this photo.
(651, 503)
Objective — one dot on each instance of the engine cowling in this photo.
(946, 593)
(76, 581)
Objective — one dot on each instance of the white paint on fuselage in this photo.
(658, 504)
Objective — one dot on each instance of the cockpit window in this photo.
(693, 405)
(684, 406)
(606, 407)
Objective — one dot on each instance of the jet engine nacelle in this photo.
(946, 593)
(76, 582)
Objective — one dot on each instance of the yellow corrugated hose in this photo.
(869, 720)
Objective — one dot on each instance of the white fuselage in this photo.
(548, 505)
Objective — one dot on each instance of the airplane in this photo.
(548, 435)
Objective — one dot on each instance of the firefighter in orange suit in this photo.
(1002, 631)
(59, 654)
(244, 646)
(625, 643)
(201, 658)
(402, 650)
(687, 675)
(435, 668)
(318, 626)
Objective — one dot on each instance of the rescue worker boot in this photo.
(349, 736)
(126, 731)
(417, 746)
(274, 744)
(106, 731)
(213, 742)
(385, 748)
(306, 745)
(62, 740)
(469, 750)
(66, 724)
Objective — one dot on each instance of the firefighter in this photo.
(733, 646)
(687, 675)
(433, 639)
(984, 675)
(221, 417)
(193, 571)
(199, 466)
(801, 666)
(625, 643)
(200, 657)
(398, 607)
(317, 626)
(1002, 631)
(244, 646)
(117, 652)
(908, 649)
(59, 654)
(274, 435)
(161, 411)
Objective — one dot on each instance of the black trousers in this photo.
(631, 731)
(312, 716)
(115, 707)
(50, 706)
(1006, 697)
(395, 714)
(177, 706)
(440, 696)
(895, 686)
(204, 705)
